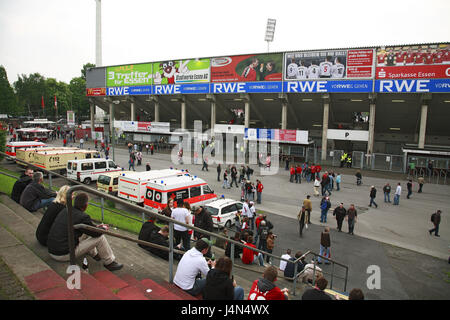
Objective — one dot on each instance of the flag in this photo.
(42, 102)
(56, 104)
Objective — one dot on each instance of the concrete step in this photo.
(32, 218)
(150, 288)
(93, 289)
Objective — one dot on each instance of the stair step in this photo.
(132, 293)
(32, 218)
(60, 293)
(110, 280)
(44, 280)
(158, 290)
(180, 292)
(93, 289)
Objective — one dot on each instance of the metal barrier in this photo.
(170, 221)
(358, 159)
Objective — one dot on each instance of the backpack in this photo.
(433, 216)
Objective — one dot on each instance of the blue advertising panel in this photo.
(246, 87)
(328, 86)
(412, 86)
(125, 91)
(192, 88)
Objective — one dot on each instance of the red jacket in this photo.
(313, 169)
(292, 171)
(259, 187)
(248, 254)
(298, 169)
(318, 168)
(258, 221)
(262, 289)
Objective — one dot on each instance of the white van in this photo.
(189, 188)
(223, 211)
(132, 186)
(87, 170)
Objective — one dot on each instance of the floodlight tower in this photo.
(270, 31)
(98, 34)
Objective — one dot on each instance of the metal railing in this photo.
(170, 221)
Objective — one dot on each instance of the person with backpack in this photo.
(263, 232)
(325, 205)
(302, 218)
(300, 265)
(436, 219)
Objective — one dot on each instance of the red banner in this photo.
(359, 63)
(286, 135)
(414, 72)
(95, 92)
(144, 126)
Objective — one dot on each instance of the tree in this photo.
(85, 68)
(8, 102)
(29, 90)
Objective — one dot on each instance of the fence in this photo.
(170, 222)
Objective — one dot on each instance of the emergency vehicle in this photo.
(88, 170)
(13, 147)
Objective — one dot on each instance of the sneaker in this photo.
(114, 266)
(97, 257)
(437, 235)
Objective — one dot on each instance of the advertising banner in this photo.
(328, 86)
(125, 91)
(195, 88)
(246, 87)
(351, 135)
(181, 71)
(277, 135)
(95, 92)
(155, 127)
(229, 128)
(331, 64)
(129, 75)
(413, 62)
(247, 68)
(411, 86)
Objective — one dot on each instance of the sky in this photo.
(56, 37)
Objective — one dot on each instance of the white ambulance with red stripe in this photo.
(187, 187)
(12, 147)
(133, 186)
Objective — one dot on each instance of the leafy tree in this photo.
(8, 102)
(84, 70)
(29, 90)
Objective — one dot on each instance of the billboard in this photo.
(319, 86)
(181, 71)
(90, 92)
(277, 135)
(187, 88)
(246, 87)
(412, 85)
(329, 64)
(350, 135)
(247, 68)
(70, 118)
(414, 62)
(129, 75)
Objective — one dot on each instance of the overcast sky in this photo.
(56, 37)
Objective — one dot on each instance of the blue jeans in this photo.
(337, 186)
(199, 284)
(44, 203)
(238, 293)
(259, 258)
(396, 199)
(372, 201)
(324, 251)
(323, 215)
(435, 229)
(409, 194)
(258, 197)
(388, 196)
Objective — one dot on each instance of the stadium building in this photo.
(387, 106)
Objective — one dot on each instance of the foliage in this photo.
(3, 134)
(8, 102)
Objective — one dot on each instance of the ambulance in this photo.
(13, 147)
(27, 154)
(187, 187)
(133, 186)
(88, 170)
(58, 159)
(109, 182)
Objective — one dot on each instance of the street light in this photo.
(270, 31)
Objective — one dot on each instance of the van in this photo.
(58, 159)
(14, 146)
(27, 154)
(132, 186)
(223, 211)
(109, 182)
(189, 188)
(88, 170)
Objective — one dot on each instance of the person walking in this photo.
(308, 207)
(397, 194)
(205, 164)
(338, 181)
(225, 180)
(325, 205)
(436, 219)
(152, 148)
(316, 187)
(241, 173)
(373, 195)
(325, 244)
(409, 187)
(340, 214)
(421, 181)
(292, 174)
(233, 176)
(298, 174)
(259, 189)
(219, 170)
(351, 218)
(131, 164)
(81, 143)
(302, 217)
(387, 193)
(147, 147)
(358, 178)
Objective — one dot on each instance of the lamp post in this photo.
(270, 31)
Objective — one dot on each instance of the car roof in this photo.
(176, 181)
(114, 174)
(90, 160)
(153, 174)
(25, 143)
(221, 203)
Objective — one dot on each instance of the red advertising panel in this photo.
(286, 135)
(359, 63)
(414, 62)
(144, 126)
(261, 67)
(95, 92)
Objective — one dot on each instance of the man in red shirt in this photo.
(410, 57)
(265, 289)
(292, 172)
(400, 58)
(65, 142)
(259, 189)
(248, 255)
(298, 174)
(429, 57)
(318, 169)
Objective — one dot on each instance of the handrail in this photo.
(170, 221)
